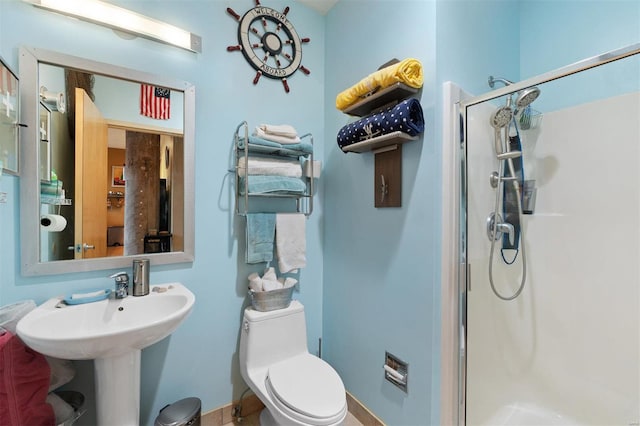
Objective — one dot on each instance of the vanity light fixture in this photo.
(103, 13)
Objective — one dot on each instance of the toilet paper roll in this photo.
(56, 99)
(52, 222)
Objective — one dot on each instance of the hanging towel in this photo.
(260, 232)
(24, 384)
(291, 243)
(408, 71)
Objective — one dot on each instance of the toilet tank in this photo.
(269, 337)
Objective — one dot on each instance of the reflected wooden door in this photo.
(91, 179)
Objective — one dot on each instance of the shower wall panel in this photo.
(566, 351)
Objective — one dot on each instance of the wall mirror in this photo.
(108, 165)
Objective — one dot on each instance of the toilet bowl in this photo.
(296, 387)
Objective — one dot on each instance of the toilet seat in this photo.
(307, 389)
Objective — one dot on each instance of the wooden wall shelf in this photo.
(379, 142)
(379, 99)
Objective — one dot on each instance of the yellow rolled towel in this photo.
(408, 71)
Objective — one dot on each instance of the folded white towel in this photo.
(285, 130)
(291, 242)
(284, 140)
(269, 166)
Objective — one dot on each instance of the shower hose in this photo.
(516, 186)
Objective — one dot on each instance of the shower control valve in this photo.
(496, 227)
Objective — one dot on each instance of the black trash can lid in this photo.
(178, 413)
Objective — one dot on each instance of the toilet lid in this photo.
(308, 385)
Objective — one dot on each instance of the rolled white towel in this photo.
(268, 285)
(285, 130)
(270, 274)
(290, 282)
(255, 282)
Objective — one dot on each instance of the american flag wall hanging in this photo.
(155, 102)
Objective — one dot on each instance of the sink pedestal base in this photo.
(118, 389)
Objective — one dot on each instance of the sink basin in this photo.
(106, 328)
(112, 332)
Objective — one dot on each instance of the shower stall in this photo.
(547, 279)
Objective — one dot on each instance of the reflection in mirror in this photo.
(93, 123)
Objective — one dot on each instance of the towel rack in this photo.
(242, 147)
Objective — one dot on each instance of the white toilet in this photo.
(297, 388)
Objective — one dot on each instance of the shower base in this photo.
(528, 414)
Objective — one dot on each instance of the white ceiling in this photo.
(322, 6)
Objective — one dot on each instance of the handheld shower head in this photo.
(526, 97)
(501, 117)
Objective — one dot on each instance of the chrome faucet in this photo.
(122, 284)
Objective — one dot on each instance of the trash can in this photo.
(185, 412)
(11, 314)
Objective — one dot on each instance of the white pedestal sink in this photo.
(112, 332)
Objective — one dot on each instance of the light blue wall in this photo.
(200, 358)
(557, 33)
(373, 278)
(381, 265)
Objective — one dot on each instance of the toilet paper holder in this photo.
(396, 371)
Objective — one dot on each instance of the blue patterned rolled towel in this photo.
(406, 117)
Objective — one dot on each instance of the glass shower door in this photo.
(567, 349)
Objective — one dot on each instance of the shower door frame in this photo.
(455, 276)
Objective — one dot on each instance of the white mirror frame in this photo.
(29, 59)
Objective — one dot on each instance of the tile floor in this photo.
(253, 420)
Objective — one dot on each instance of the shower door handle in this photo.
(467, 273)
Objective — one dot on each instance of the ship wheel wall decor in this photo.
(270, 43)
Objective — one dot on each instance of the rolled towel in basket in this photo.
(406, 117)
(408, 71)
(255, 282)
